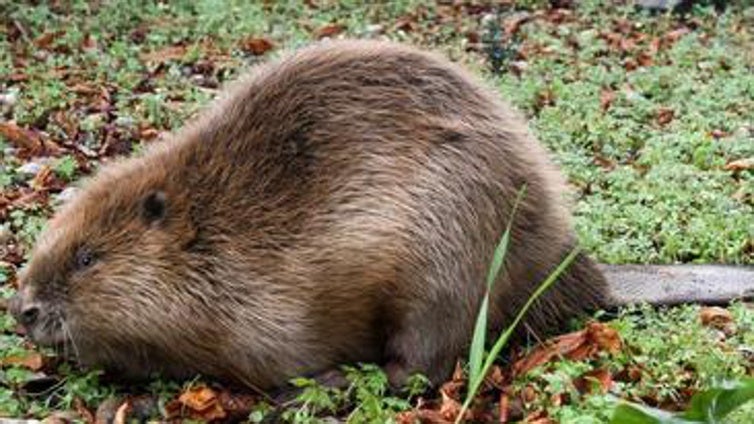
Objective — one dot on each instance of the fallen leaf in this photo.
(645, 59)
(236, 405)
(604, 162)
(599, 378)
(31, 141)
(164, 55)
(81, 409)
(199, 402)
(329, 30)
(43, 178)
(528, 394)
(89, 42)
(675, 35)
(665, 115)
(715, 317)
(596, 337)
(539, 417)
(450, 408)
(740, 165)
(423, 416)
(45, 40)
(606, 337)
(495, 377)
(503, 408)
(33, 361)
(511, 26)
(257, 46)
(606, 99)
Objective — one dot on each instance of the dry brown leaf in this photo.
(89, 42)
(605, 337)
(450, 408)
(539, 417)
(329, 30)
(579, 345)
(504, 407)
(548, 351)
(165, 54)
(511, 26)
(715, 316)
(42, 179)
(148, 133)
(199, 402)
(45, 40)
(740, 165)
(604, 162)
(606, 98)
(543, 420)
(257, 46)
(495, 377)
(236, 404)
(84, 412)
(665, 115)
(29, 140)
(601, 378)
(645, 59)
(423, 416)
(675, 35)
(33, 361)
(528, 394)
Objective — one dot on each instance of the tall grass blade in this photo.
(476, 351)
(505, 336)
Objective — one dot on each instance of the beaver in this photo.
(339, 205)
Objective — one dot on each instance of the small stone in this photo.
(659, 4)
(6, 235)
(107, 409)
(9, 98)
(373, 30)
(30, 169)
(66, 195)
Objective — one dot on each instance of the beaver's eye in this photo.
(84, 258)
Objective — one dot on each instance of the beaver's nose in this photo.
(28, 316)
(25, 313)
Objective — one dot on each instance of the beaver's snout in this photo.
(26, 311)
(37, 319)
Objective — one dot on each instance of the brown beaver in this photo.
(340, 205)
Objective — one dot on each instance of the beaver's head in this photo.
(111, 279)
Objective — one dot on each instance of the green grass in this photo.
(646, 188)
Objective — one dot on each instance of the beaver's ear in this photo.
(154, 207)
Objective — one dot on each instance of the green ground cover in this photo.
(649, 114)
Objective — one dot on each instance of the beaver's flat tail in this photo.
(677, 284)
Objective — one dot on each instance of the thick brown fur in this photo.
(339, 205)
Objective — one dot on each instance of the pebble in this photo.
(30, 168)
(67, 194)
